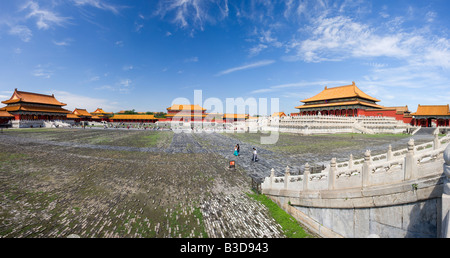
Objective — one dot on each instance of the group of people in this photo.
(237, 149)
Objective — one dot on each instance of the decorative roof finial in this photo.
(353, 83)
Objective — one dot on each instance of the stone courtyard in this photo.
(136, 183)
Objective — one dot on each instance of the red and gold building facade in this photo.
(102, 115)
(185, 113)
(32, 109)
(346, 100)
(431, 116)
(133, 119)
(349, 100)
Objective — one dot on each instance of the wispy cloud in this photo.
(193, 13)
(23, 32)
(191, 59)
(42, 71)
(122, 86)
(78, 101)
(45, 18)
(246, 67)
(62, 43)
(297, 85)
(98, 4)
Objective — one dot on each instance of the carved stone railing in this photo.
(446, 196)
(392, 167)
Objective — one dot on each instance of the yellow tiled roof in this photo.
(5, 114)
(100, 111)
(133, 117)
(348, 91)
(280, 114)
(81, 112)
(346, 103)
(235, 116)
(177, 107)
(36, 109)
(72, 116)
(22, 96)
(432, 110)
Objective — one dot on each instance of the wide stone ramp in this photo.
(425, 131)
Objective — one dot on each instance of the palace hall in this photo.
(346, 100)
(34, 109)
(186, 113)
(431, 116)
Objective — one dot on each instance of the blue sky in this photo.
(143, 54)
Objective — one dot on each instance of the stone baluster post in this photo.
(272, 175)
(366, 169)
(389, 153)
(286, 177)
(332, 174)
(350, 162)
(445, 227)
(410, 164)
(306, 177)
(436, 143)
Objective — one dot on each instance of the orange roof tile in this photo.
(280, 114)
(348, 91)
(177, 107)
(100, 111)
(133, 117)
(432, 110)
(36, 109)
(5, 114)
(185, 115)
(81, 112)
(235, 116)
(346, 103)
(72, 116)
(22, 96)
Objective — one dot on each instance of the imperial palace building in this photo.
(346, 100)
(33, 109)
(431, 116)
(186, 113)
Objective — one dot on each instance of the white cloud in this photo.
(338, 38)
(98, 4)
(191, 59)
(23, 32)
(298, 85)
(78, 101)
(45, 18)
(127, 67)
(62, 43)
(193, 13)
(245, 67)
(42, 72)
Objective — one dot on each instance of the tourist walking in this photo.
(236, 151)
(255, 155)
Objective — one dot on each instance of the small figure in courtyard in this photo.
(255, 155)
(236, 151)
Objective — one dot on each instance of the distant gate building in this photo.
(431, 116)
